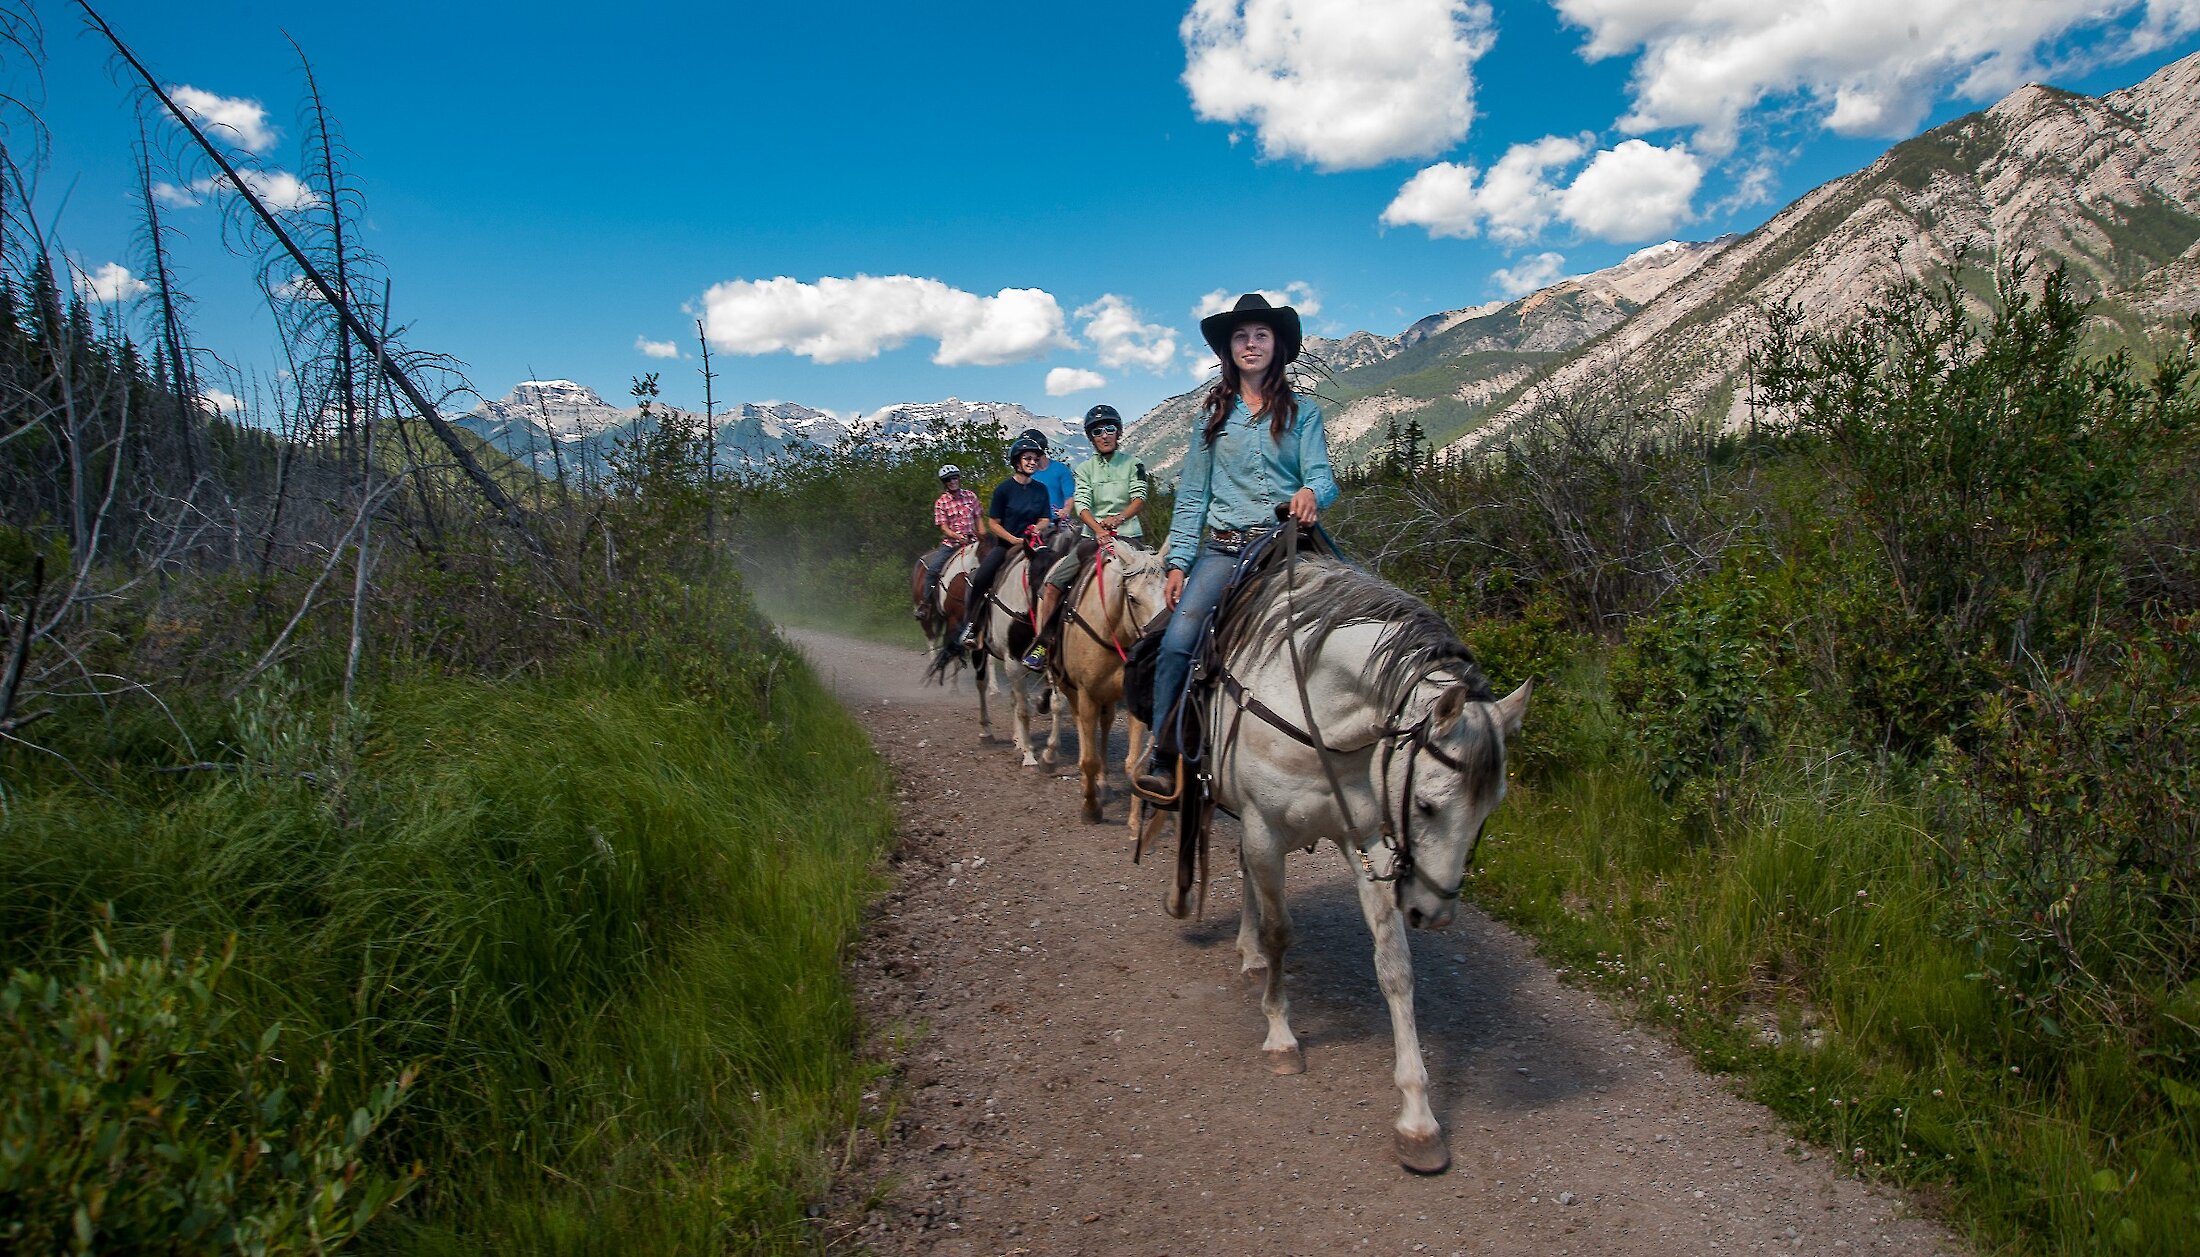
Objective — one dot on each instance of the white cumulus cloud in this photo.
(1123, 339)
(112, 282)
(656, 348)
(849, 320)
(1529, 274)
(241, 122)
(1298, 294)
(1635, 191)
(1872, 67)
(1065, 380)
(296, 288)
(278, 189)
(1515, 200)
(1343, 84)
(223, 402)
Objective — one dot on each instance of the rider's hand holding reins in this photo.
(1302, 508)
(1173, 588)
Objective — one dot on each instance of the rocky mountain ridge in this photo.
(561, 427)
(2107, 187)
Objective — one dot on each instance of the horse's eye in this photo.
(1424, 807)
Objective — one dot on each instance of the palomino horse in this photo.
(1006, 620)
(1118, 595)
(1346, 709)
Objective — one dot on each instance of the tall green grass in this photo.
(1800, 946)
(603, 916)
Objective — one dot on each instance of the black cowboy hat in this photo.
(1253, 308)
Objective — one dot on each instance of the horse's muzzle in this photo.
(1428, 919)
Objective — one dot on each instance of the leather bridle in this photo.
(1396, 830)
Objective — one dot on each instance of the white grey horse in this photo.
(1348, 710)
(1009, 607)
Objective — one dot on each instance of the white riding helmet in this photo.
(949, 471)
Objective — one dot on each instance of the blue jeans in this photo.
(1203, 587)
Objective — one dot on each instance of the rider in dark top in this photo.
(1019, 502)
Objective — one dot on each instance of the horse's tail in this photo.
(948, 657)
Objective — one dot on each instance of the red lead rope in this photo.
(1100, 581)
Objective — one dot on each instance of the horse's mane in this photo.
(1319, 595)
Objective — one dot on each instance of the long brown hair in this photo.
(1275, 391)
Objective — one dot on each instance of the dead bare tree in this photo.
(507, 509)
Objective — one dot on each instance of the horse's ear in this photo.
(1448, 706)
(1513, 708)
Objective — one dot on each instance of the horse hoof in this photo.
(1290, 1060)
(1092, 814)
(1172, 902)
(1422, 1154)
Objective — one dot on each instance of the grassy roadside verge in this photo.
(1799, 950)
(601, 913)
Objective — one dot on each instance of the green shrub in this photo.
(2077, 866)
(1707, 679)
(1997, 469)
(140, 1118)
(1573, 724)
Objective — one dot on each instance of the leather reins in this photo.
(1398, 836)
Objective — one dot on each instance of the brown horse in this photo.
(939, 611)
(1116, 597)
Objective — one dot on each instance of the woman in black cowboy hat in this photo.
(1256, 448)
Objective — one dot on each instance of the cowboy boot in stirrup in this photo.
(1162, 781)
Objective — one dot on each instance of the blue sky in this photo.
(872, 203)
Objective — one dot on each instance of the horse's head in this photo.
(1446, 775)
(1139, 597)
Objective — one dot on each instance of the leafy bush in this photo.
(1707, 679)
(2077, 867)
(1995, 466)
(1573, 723)
(138, 1118)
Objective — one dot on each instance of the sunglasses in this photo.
(1107, 429)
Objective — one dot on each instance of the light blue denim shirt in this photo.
(1241, 480)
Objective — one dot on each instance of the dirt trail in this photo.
(1083, 1073)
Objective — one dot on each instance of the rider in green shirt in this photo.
(1111, 490)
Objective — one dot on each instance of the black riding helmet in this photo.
(1102, 416)
(1023, 445)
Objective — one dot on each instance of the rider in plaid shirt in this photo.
(956, 512)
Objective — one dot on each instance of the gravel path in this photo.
(1081, 1074)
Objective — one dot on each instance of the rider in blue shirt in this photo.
(1060, 481)
(1019, 506)
(1258, 447)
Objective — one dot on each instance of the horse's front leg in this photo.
(1262, 864)
(1250, 959)
(1093, 720)
(1054, 723)
(1135, 733)
(985, 716)
(1020, 699)
(1420, 1141)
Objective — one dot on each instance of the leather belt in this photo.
(1234, 540)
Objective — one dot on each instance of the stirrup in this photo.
(1141, 785)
